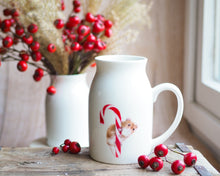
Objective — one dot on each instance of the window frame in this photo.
(202, 121)
(206, 84)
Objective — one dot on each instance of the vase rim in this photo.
(121, 58)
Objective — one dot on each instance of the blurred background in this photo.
(22, 100)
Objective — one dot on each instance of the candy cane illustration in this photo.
(117, 126)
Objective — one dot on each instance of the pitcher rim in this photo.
(120, 58)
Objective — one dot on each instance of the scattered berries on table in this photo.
(190, 159)
(68, 146)
(143, 161)
(67, 142)
(74, 147)
(55, 150)
(178, 166)
(65, 148)
(161, 150)
(156, 163)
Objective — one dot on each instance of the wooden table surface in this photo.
(40, 161)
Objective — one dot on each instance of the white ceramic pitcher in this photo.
(121, 110)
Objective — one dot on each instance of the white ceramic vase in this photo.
(67, 110)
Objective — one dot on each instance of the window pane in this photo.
(217, 42)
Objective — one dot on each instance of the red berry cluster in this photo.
(84, 35)
(16, 33)
(79, 35)
(68, 146)
(156, 163)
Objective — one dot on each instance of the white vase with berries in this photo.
(67, 110)
(65, 45)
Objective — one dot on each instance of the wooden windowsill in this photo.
(40, 161)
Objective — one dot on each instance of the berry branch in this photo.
(82, 41)
(175, 151)
(12, 58)
(156, 163)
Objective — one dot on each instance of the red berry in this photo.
(72, 36)
(22, 66)
(108, 32)
(143, 161)
(12, 21)
(6, 23)
(7, 42)
(38, 74)
(80, 38)
(83, 30)
(91, 38)
(161, 150)
(51, 48)
(55, 150)
(99, 45)
(190, 159)
(27, 38)
(67, 142)
(36, 56)
(178, 167)
(69, 26)
(59, 23)
(77, 9)
(75, 46)
(33, 28)
(65, 148)
(76, 3)
(51, 90)
(156, 163)
(100, 17)
(14, 13)
(7, 12)
(74, 147)
(19, 30)
(74, 20)
(15, 40)
(24, 56)
(98, 27)
(62, 5)
(90, 17)
(93, 65)
(88, 46)
(5, 29)
(35, 46)
(108, 24)
(66, 31)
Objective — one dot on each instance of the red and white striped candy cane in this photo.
(117, 126)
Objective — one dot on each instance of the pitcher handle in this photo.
(156, 91)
